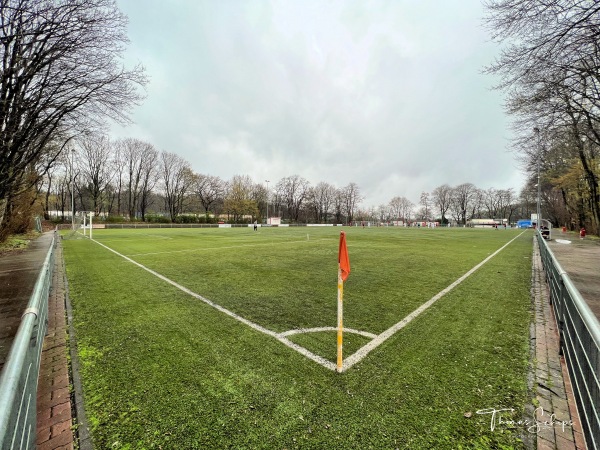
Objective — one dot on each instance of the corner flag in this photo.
(343, 272)
(343, 259)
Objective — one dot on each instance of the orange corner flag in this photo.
(343, 259)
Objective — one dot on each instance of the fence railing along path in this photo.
(579, 332)
(19, 377)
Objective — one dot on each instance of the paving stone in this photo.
(59, 441)
(543, 444)
(53, 420)
(564, 444)
(54, 398)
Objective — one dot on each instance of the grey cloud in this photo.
(389, 95)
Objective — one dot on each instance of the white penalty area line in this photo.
(366, 349)
(281, 337)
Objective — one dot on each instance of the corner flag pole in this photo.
(340, 319)
(343, 272)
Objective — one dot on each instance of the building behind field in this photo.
(489, 223)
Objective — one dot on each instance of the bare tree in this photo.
(442, 196)
(550, 70)
(401, 208)
(338, 205)
(176, 177)
(491, 202)
(507, 204)
(94, 155)
(395, 207)
(148, 178)
(61, 74)
(139, 164)
(60, 193)
(425, 202)
(383, 213)
(461, 200)
(406, 209)
(352, 198)
(119, 166)
(477, 204)
(210, 190)
(293, 191)
(320, 199)
(47, 184)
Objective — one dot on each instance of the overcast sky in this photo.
(387, 94)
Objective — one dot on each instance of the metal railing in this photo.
(19, 378)
(579, 332)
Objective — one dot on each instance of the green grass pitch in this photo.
(162, 369)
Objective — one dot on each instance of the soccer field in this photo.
(225, 338)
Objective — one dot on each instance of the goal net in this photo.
(75, 231)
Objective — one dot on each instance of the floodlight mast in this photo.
(267, 181)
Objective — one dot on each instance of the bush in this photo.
(18, 218)
(187, 218)
(209, 219)
(116, 219)
(157, 218)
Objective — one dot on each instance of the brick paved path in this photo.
(54, 397)
(552, 388)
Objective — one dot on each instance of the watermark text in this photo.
(541, 420)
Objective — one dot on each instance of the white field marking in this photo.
(367, 348)
(227, 247)
(316, 330)
(318, 359)
(281, 337)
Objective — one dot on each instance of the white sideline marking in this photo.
(318, 359)
(282, 337)
(227, 247)
(366, 349)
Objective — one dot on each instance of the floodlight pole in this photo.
(267, 181)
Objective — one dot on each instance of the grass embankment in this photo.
(17, 242)
(162, 370)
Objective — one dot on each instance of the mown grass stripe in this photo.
(229, 247)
